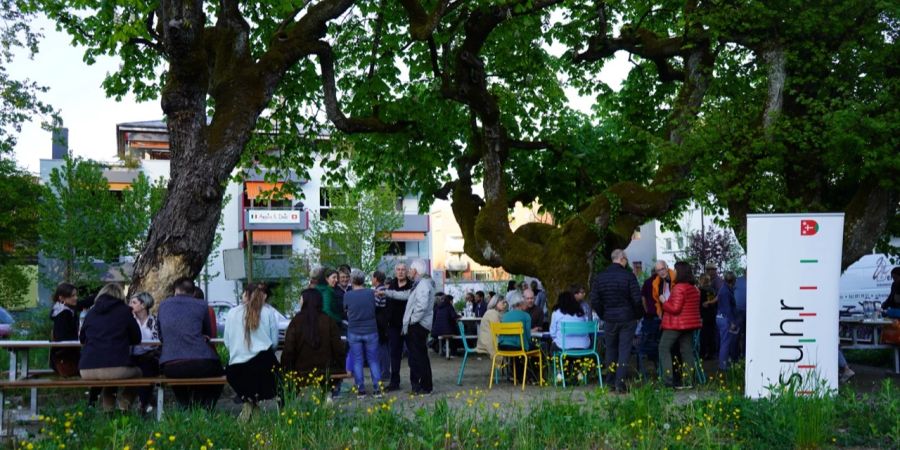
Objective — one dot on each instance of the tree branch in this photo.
(421, 22)
(332, 106)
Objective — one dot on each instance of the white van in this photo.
(865, 280)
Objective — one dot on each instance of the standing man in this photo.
(714, 277)
(362, 333)
(343, 286)
(396, 308)
(662, 285)
(727, 322)
(417, 322)
(382, 318)
(616, 297)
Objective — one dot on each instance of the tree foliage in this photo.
(19, 99)
(21, 195)
(83, 225)
(714, 246)
(727, 99)
(356, 228)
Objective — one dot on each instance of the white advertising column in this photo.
(793, 271)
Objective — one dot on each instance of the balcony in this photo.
(275, 219)
(415, 222)
(270, 269)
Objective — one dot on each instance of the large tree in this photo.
(807, 118)
(485, 75)
(215, 66)
(467, 84)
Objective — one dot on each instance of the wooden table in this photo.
(854, 326)
(19, 350)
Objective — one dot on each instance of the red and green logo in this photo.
(808, 227)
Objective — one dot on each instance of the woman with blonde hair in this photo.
(495, 310)
(251, 335)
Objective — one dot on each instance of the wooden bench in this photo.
(159, 382)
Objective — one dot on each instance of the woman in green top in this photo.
(325, 284)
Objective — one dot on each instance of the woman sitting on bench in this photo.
(108, 332)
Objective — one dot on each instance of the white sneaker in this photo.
(846, 375)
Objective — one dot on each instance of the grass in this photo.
(648, 418)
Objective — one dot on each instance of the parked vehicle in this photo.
(221, 308)
(6, 324)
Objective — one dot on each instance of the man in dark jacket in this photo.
(396, 309)
(616, 297)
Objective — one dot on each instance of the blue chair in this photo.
(469, 350)
(576, 329)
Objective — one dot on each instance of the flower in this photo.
(171, 438)
(447, 435)
(496, 405)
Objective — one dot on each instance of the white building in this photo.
(276, 226)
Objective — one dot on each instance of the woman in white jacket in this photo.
(251, 336)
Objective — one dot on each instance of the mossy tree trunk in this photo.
(562, 253)
(213, 64)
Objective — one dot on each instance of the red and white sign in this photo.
(792, 302)
(808, 227)
(273, 216)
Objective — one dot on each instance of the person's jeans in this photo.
(384, 358)
(364, 347)
(619, 337)
(727, 343)
(395, 341)
(649, 345)
(685, 339)
(419, 364)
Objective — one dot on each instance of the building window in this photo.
(668, 243)
(680, 241)
(399, 205)
(396, 249)
(324, 203)
(272, 251)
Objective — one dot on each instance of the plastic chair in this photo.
(576, 329)
(514, 329)
(469, 350)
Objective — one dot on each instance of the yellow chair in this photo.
(514, 329)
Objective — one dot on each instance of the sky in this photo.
(75, 89)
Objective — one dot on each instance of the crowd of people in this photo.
(382, 323)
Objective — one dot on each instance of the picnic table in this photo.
(19, 351)
(863, 333)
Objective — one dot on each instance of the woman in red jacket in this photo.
(681, 317)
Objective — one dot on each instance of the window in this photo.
(481, 275)
(638, 267)
(396, 248)
(399, 205)
(272, 251)
(324, 203)
(680, 241)
(668, 243)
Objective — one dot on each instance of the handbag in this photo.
(890, 334)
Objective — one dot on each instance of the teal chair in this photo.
(469, 351)
(576, 329)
